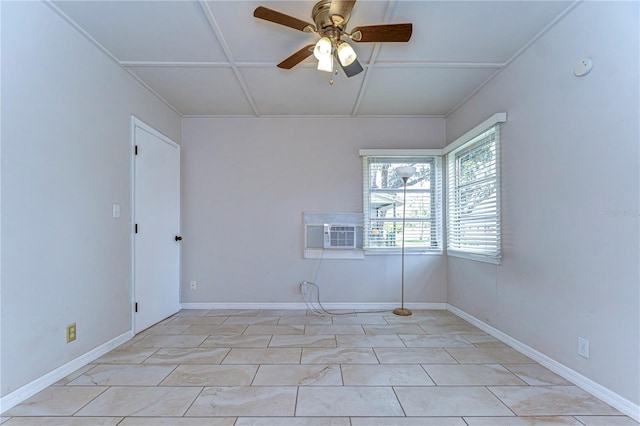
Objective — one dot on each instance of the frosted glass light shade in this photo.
(322, 48)
(326, 63)
(405, 172)
(346, 54)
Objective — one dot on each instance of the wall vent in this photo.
(339, 236)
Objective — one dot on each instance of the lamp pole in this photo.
(405, 173)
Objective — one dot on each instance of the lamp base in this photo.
(402, 312)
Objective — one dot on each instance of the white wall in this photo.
(246, 183)
(570, 156)
(66, 111)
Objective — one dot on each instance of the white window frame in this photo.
(404, 156)
(484, 133)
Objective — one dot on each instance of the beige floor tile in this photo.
(488, 356)
(192, 313)
(275, 329)
(245, 401)
(407, 421)
(393, 329)
(471, 374)
(57, 401)
(188, 356)
(370, 341)
(459, 328)
(167, 329)
(484, 341)
(64, 421)
(358, 320)
(450, 401)
(385, 375)
(142, 401)
(347, 401)
(522, 421)
(282, 312)
(305, 319)
(124, 375)
(414, 356)
(126, 356)
(292, 421)
(197, 320)
(236, 341)
(169, 341)
(211, 375)
(177, 421)
(68, 379)
(298, 375)
(233, 312)
(536, 375)
(251, 320)
(304, 341)
(434, 341)
(338, 356)
(426, 320)
(334, 329)
(607, 420)
(207, 329)
(551, 401)
(263, 356)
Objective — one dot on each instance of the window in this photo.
(473, 197)
(384, 202)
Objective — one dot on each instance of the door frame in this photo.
(136, 122)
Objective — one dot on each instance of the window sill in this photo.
(398, 252)
(475, 257)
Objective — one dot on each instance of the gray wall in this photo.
(66, 111)
(246, 183)
(570, 158)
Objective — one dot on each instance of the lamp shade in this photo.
(346, 54)
(405, 172)
(322, 48)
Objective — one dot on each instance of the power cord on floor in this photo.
(322, 311)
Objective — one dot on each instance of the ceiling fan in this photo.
(330, 18)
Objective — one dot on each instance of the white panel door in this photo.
(156, 208)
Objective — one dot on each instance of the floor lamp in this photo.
(405, 173)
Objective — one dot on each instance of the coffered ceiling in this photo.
(213, 58)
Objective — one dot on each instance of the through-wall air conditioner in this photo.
(339, 236)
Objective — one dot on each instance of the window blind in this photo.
(473, 196)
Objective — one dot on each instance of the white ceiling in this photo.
(213, 58)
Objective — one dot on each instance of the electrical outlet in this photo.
(583, 347)
(71, 332)
(194, 285)
(303, 288)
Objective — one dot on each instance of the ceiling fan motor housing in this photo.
(324, 22)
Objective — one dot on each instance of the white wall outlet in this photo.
(304, 288)
(194, 285)
(583, 347)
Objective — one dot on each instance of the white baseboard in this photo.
(27, 391)
(329, 306)
(613, 399)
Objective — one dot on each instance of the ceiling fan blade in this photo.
(340, 10)
(382, 33)
(297, 57)
(282, 19)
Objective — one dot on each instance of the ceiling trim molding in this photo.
(343, 116)
(227, 51)
(520, 51)
(169, 64)
(106, 52)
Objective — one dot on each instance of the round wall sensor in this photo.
(583, 67)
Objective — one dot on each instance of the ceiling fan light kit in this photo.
(330, 18)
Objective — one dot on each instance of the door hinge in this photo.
(136, 228)
(136, 307)
(135, 150)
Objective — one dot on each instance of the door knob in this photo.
(178, 238)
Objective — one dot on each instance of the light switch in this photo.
(116, 211)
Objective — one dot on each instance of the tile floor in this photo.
(285, 367)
